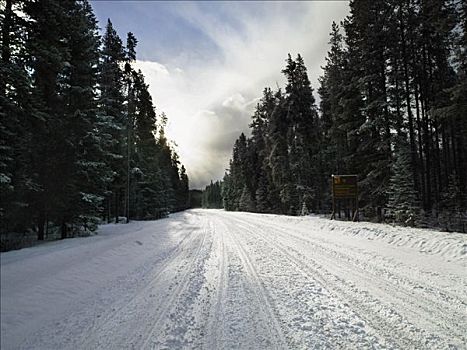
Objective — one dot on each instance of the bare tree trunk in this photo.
(420, 146)
(41, 226)
(413, 150)
(109, 214)
(63, 230)
(116, 206)
(427, 143)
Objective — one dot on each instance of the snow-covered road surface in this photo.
(209, 279)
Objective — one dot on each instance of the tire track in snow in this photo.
(391, 288)
(421, 277)
(315, 318)
(187, 322)
(99, 322)
(123, 326)
(375, 317)
(91, 318)
(260, 292)
(160, 316)
(225, 283)
(214, 332)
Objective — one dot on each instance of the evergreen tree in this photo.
(228, 191)
(450, 216)
(62, 90)
(262, 198)
(184, 198)
(267, 194)
(392, 91)
(278, 156)
(77, 128)
(144, 172)
(16, 176)
(245, 202)
(403, 205)
(111, 109)
(331, 90)
(212, 197)
(304, 210)
(366, 31)
(48, 56)
(83, 169)
(303, 136)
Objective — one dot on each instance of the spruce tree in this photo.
(184, 187)
(112, 115)
(85, 172)
(303, 135)
(278, 156)
(403, 207)
(16, 175)
(51, 54)
(145, 172)
(267, 194)
(245, 202)
(228, 191)
(77, 125)
(334, 133)
(450, 216)
(212, 197)
(366, 30)
(393, 87)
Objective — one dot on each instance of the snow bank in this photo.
(449, 245)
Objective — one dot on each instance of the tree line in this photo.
(80, 138)
(392, 109)
(212, 196)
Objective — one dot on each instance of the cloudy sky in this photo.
(207, 63)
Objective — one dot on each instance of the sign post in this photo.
(345, 189)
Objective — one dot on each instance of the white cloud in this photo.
(235, 101)
(154, 67)
(209, 103)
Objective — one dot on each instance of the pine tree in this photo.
(245, 202)
(75, 127)
(278, 156)
(228, 192)
(51, 52)
(267, 194)
(212, 197)
(453, 116)
(83, 169)
(304, 210)
(185, 188)
(366, 31)
(144, 171)
(341, 112)
(111, 110)
(403, 204)
(16, 177)
(331, 90)
(450, 216)
(304, 136)
(393, 85)
(262, 199)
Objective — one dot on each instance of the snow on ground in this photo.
(218, 280)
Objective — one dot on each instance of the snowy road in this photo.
(208, 279)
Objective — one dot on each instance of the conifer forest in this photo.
(81, 141)
(233, 174)
(392, 109)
